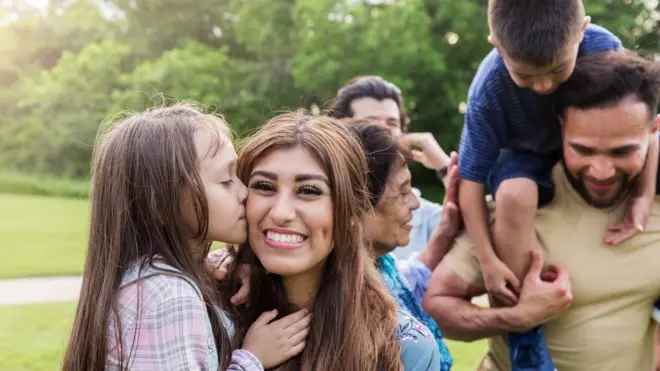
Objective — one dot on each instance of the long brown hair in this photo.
(354, 316)
(140, 167)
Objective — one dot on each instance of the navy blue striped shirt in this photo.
(502, 115)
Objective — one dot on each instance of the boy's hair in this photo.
(605, 78)
(535, 31)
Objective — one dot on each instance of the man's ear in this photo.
(656, 124)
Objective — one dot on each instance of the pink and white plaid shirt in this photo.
(165, 326)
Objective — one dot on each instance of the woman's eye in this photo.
(310, 190)
(262, 186)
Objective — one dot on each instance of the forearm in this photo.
(459, 319)
(475, 215)
(436, 248)
(650, 172)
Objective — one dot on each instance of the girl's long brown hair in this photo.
(140, 167)
(354, 316)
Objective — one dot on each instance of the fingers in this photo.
(453, 159)
(615, 227)
(242, 295)
(265, 318)
(417, 155)
(299, 336)
(452, 186)
(220, 273)
(621, 236)
(298, 326)
(513, 282)
(548, 277)
(453, 214)
(292, 318)
(295, 350)
(506, 297)
(537, 265)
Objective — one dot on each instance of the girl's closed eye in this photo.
(228, 183)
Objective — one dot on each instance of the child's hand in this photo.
(275, 342)
(219, 263)
(633, 222)
(500, 282)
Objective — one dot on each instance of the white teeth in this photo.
(285, 238)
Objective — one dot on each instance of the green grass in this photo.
(33, 338)
(15, 183)
(467, 355)
(42, 236)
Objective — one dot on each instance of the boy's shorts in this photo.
(520, 164)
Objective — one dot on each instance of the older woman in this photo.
(390, 223)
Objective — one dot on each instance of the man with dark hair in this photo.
(608, 113)
(373, 99)
(512, 139)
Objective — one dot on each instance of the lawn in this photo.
(33, 338)
(42, 236)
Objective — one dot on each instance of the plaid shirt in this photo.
(165, 325)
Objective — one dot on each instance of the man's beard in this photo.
(626, 189)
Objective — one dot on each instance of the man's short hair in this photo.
(603, 79)
(535, 32)
(367, 87)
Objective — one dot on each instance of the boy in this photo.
(512, 138)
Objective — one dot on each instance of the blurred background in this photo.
(67, 65)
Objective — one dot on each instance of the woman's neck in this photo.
(301, 289)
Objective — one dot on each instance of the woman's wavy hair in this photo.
(354, 316)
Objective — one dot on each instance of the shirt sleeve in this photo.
(417, 274)
(242, 360)
(480, 143)
(431, 217)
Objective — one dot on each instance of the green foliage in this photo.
(68, 67)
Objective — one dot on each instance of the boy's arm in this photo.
(650, 173)
(481, 141)
(639, 207)
(475, 215)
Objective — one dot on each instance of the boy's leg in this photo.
(520, 182)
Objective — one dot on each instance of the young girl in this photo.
(307, 201)
(163, 188)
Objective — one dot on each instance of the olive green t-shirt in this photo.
(608, 326)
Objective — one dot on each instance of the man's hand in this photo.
(425, 150)
(451, 221)
(543, 295)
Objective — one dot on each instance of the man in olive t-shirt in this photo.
(608, 110)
